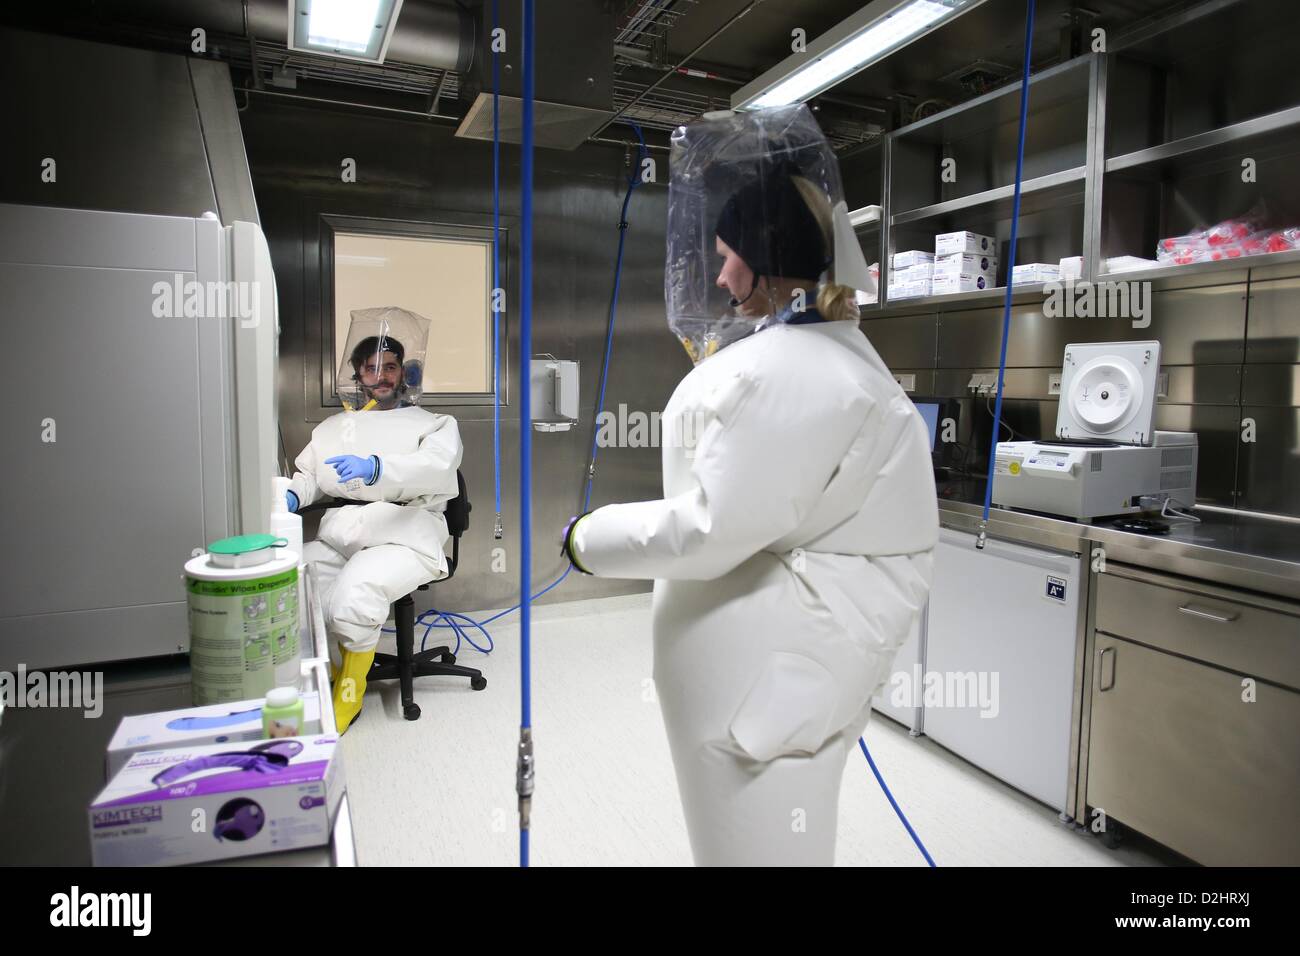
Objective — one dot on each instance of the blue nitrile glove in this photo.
(291, 500)
(353, 466)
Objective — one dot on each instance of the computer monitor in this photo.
(936, 411)
(930, 413)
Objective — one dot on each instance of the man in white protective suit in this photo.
(400, 462)
(791, 551)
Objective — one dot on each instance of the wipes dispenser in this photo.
(242, 597)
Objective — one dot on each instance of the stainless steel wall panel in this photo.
(1273, 321)
(1216, 427)
(1205, 325)
(120, 124)
(924, 379)
(1202, 384)
(416, 172)
(1269, 470)
(1018, 383)
(903, 341)
(1271, 385)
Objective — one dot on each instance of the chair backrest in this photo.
(458, 509)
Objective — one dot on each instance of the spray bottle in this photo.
(285, 524)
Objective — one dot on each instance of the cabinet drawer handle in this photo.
(1107, 681)
(1219, 616)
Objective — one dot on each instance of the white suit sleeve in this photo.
(304, 481)
(430, 470)
(761, 464)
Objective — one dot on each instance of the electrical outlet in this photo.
(1054, 383)
(1162, 385)
(907, 380)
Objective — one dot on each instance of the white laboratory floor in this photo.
(439, 791)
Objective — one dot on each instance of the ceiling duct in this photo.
(574, 77)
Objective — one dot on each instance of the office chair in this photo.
(406, 665)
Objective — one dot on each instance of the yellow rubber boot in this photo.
(350, 687)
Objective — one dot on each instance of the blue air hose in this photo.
(523, 777)
(633, 181)
(496, 269)
(894, 803)
(1011, 268)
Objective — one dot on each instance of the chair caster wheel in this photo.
(478, 683)
(448, 658)
(411, 711)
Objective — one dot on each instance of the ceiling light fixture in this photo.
(870, 35)
(347, 29)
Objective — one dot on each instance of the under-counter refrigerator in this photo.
(1000, 648)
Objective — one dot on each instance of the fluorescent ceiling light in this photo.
(349, 29)
(868, 36)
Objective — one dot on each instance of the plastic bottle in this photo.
(284, 523)
(282, 713)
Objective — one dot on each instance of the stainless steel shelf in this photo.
(1275, 129)
(1052, 189)
(960, 301)
(1065, 81)
(1202, 268)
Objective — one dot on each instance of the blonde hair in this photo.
(835, 302)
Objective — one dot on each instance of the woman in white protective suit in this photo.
(399, 461)
(791, 551)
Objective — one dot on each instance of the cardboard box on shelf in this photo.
(909, 290)
(1071, 267)
(918, 273)
(1032, 273)
(947, 243)
(960, 282)
(965, 263)
(912, 257)
(196, 726)
(193, 804)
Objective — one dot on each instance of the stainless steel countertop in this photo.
(1239, 550)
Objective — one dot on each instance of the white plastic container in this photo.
(284, 523)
